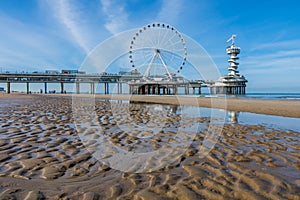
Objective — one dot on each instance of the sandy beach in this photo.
(43, 155)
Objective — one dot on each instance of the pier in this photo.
(105, 79)
(61, 79)
(150, 83)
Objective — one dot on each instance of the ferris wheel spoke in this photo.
(168, 41)
(177, 50)
(165, 37)
(146, 59)
(161, 37)
(158, 46)
(152, 42)
(178, 42)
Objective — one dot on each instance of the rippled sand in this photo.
(44, 155)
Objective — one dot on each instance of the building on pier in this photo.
(166, 83)
(233, 83)
(157, 86)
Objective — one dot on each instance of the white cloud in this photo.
(27, 45)
(117, 17)
(278, 58)
(278, 68)
(68, 15)
(279, 44)
(170, 10)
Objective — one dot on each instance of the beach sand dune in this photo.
(44, 155)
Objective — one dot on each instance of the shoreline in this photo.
(284, 108)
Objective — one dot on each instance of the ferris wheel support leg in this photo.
(147, 73)
(165, 66)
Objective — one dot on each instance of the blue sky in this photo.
(36, 35)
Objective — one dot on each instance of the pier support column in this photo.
(61, 87)
(106, 88)
(194, 92)
(27, 87)
(92, 88)
(211, 90)
(132, 89)
(45, 87)
(8, 87)
(199, 90)
(77, 88)
(119, 88)
(228, 90)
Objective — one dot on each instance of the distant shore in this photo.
(286, 108)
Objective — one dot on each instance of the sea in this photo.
(274, 96)
(276, 122)
(281, 96)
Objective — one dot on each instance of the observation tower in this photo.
(233, 83)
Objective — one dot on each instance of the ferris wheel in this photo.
(158, 47)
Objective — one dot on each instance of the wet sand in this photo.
(286, 108)
(43, 156)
